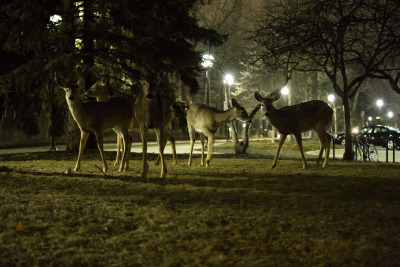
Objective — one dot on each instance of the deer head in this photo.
(266, 103)
(150, 83)
(71, 88)
(98, 90)
(241, 113)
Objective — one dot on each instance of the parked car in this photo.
(339, 139)
(381, 135)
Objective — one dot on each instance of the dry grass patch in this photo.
(236, 212)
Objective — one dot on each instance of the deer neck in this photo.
(75, 106)
(150, 112)
(278, 120)
(225, 117)
(102, 97)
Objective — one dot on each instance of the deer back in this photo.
(311, 115)
(116, 112)
(203, 117)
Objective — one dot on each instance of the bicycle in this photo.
(364, 149)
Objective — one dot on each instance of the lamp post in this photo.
(379, 103)
(285, 91)
(390, 115)
(228, 80)
(207, 63)
(331, 98)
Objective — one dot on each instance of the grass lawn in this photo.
(237, 212)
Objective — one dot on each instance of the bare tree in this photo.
(231, 19)
(347, 40)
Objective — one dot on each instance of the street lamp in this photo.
(207, 63)
(331, 98)
(390, 114)
(228, 79)
(379, 103)
(285, 91)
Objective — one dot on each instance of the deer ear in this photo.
(276, 96)
(236, 104)
(258, 97)
(103, 81)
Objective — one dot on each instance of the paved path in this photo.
(182, 147)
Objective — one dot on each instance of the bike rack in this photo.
(394, 154)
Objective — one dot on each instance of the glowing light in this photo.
(228, 79)
(285, 90)
(55, 18)
(207, 61)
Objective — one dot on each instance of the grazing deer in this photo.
(96, 117)
(152, 112)
(207, 121)
(312, 115)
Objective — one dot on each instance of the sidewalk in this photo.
(183, 147)
(152, 147)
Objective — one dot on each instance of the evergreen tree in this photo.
(91, 39)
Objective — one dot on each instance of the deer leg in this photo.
(82, 144)
(161, 144)
(164, 142)
(192, 139)
(143, 132)
(322, 145)
(99, 137)
(327, 148)
(202, 148)
(118, 149)
(128, 152)
(171, 139)
(278, 149)
(125, 155)
(210, 149)
(299, 142)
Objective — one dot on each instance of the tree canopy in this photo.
(349, 41)
(103, 38)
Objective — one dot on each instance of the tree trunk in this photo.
(348, 152)
(73, 132)
(88, 59)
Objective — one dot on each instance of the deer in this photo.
(313, 115)
(96, 117)
(152, 112)
(100, 92)
(207, 120)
